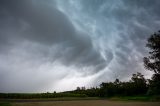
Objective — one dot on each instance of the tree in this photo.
(139, 83)
(152, 62)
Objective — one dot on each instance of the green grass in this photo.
(70, 98)
(136, 98)
(56, 99)
(5, 104)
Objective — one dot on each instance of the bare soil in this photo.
(86, 103)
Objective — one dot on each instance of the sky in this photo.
(57, 45)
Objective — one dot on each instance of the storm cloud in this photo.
(61, 44)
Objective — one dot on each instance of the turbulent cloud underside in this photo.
(61, 44)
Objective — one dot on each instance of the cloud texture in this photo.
(61, 44)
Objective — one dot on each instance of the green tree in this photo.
(152, 62)
(139, 83)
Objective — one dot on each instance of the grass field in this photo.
(5, 104)
(87, 103)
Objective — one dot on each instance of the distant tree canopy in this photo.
(152, 62)
(136, 86)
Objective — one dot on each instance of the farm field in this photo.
(87, 103)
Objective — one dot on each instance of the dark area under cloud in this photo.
(45, 25)
(44, 44)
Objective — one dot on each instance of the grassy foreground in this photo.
(87, 103)
(5, 104)
(136, 98)
(116, 98)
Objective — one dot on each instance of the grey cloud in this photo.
(47, 25)
(92, 37)
(133, 20)
(52, 23)
(34, 33)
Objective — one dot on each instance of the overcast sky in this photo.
(57, 45)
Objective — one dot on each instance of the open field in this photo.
(86, 103)
(93, 101)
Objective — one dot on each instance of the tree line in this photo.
(138, 85)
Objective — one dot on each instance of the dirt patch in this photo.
(87, 103)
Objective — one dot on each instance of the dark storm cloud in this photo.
(49, 44)
(137, 20)
(36, 22)
(34, 33)
(122, 27)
